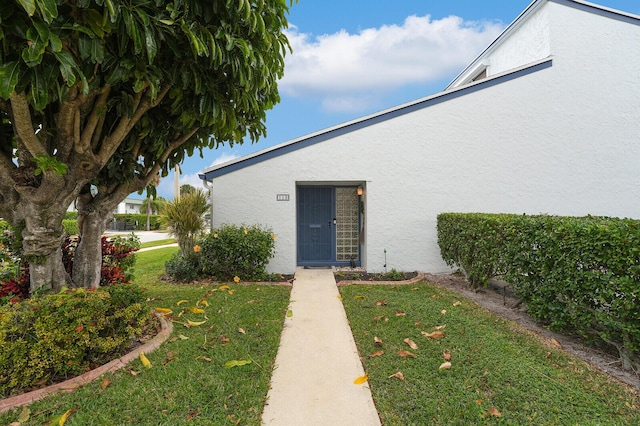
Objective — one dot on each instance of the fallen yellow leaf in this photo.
(196, 310)
(190, 323)
(203, 302)
(204, 358)
(289, 313)
(339, 297)
(405, 354)
(443, 312)
(237, 363)
(105, 383)
(445, 366)
(181, 302)
(358, 297)
(411, 343)
(65, 416)
(232, 292)
(24, 415)
(360, 380)
(144, 360)
(223, 287)
(457, 303)
(439, 327)
(241, 330)
(397, 375)
(400, 314)
(164, 311)
(377, 353)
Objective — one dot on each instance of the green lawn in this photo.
(188, 382)
(157, 243)
(499, 373)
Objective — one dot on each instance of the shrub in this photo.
(71, 216)
(242, 251)
(70, 226)
(185, 218)
(49, 338)
(475, 243)
(183, 268)
(133, 221)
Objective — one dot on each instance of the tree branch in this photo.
(113, 141)
(23, 124)
(94, 120)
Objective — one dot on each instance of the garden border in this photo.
(419, 277)
(75, 382)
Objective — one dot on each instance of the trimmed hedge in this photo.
(576, 274)
(70, 226)
(137, 222)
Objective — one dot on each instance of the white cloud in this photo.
(349, 71)
(223, 158)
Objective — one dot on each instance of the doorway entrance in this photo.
(328, 226)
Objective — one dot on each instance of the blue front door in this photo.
(316, 230)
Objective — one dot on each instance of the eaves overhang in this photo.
(330, 133)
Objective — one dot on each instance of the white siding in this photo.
(563, 140)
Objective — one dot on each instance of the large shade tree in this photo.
(113, 93)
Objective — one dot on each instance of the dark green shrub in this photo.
(49, 338)
(242, 251)
(474, 243)
(183, 268)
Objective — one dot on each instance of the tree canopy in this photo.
(115, 92)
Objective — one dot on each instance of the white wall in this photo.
(563, 140)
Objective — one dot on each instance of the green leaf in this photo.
(55, 43)
(67, 67)
(29, 6)
(9, 73)
(150, 42)
(237, 363)
(38, 91)
(48, 10)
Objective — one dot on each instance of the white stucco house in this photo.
(545, 120)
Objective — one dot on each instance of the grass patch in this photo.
(158, 243)
(187, 383)
(495, 365)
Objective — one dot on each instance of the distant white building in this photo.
(545, 120)
(126, 206)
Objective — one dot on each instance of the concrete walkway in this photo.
(317, 361)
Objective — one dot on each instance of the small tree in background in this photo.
(185, 219)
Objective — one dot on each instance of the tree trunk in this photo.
(87, 263)
(42, 248)
(148, 213)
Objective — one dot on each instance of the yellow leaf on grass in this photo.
(241, 330)
(203, 302)
(445, 366)
(289, 313)
(223, 287)
(400, 314)
(144, 360)
(204, 358)
(433, 335)
(196, 310)
(397, 375)
(358, 297)
(339, 297)
(24, 415)
(237, 363)
(182, 337)
(105, 383)
(194, 323)
(443, 312)
(164, 311)
(360, 380)
(439, 327)
(377, 353)
(181, 302)
(405, 354)
(66, 415)
(457, 303)
(411, 343)
(232, 292)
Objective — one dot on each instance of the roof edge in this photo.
(350, 126)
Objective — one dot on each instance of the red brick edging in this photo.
(72, 384)
(417, 278)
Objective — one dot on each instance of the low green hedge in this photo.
(576, 274)
(70, 226)
(137, 222)
(49, 338)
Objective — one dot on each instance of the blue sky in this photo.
(352, 58)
